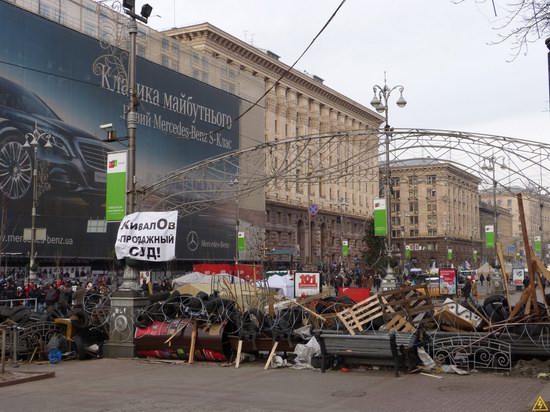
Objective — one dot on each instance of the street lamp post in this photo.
(128, 301)
(33, 141)
(489, 165)
(131, 276)
(380, 103)
(343, 202)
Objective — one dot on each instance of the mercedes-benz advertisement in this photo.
(57, 86)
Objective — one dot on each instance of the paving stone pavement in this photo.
(111, 385)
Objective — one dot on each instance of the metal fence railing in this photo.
(30, 302)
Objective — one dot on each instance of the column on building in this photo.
(280, 111)
(274, 162)
(291, 113)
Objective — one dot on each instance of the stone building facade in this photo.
(537, 218)
(434, 207)
(299, 104)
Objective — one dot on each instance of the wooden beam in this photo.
(271, 355)
(239, 351)
(528, 253)
(193, 342)
(501, 263)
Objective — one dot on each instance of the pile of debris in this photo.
(40, 335)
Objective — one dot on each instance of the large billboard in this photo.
(65, 84)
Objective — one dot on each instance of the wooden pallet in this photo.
(399, 324)
(408, 302)
(356, 317)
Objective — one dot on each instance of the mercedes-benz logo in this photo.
(192, 241)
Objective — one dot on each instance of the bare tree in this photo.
(521, 22)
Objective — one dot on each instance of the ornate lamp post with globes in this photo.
(380, 102)
(39, 185)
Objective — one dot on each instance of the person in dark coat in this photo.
(467, 288)
(51, 296)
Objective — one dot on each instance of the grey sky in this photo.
(436, 49)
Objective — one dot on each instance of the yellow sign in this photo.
(540, 406)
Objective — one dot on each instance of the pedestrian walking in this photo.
(481, 279)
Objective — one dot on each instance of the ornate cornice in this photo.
(259, 61)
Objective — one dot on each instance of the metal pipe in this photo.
(3, 354)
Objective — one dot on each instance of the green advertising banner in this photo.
(489, 236)
(408, 251)
(475, 255)
(115, 205)
(538, 245)
(449, 254)
(345, 248)
(380, 220)
(241, 242)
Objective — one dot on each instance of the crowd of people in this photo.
(61, 293)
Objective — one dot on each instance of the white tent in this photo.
(485, 269)
(193, 277)
(284, 283)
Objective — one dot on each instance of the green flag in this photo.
(538, 245)
(489, 236)
(115, 202)
(449, 254)
(408, 251)
(475, 255)
(345, 248)
(380, 217)
(241, 242)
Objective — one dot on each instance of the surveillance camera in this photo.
(106, 126)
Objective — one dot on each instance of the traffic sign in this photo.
(313, 209)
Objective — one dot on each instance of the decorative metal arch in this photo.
(354, 155)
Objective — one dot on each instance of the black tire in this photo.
(21, 316)
(15, 168)
(157, 297)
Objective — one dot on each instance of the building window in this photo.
(413, 180)
(432, 219)
(395, 207)
(431, 180)
(96, 226)
(431, 193)
(205, 62)
(204, 77)
(395, 220)
(165, 44)
(432, 232)
(89, 29)
(413, 220)
(394, 181)
(413, 207)
(413, 193)
(196, 74)
(141, 50)
(175, 49)
(165, 61)
(196, 58)
(395, 194)
(413, 233)
(432, 207)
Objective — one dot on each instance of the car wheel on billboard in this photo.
(15, 168)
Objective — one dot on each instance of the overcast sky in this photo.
(439, 51)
